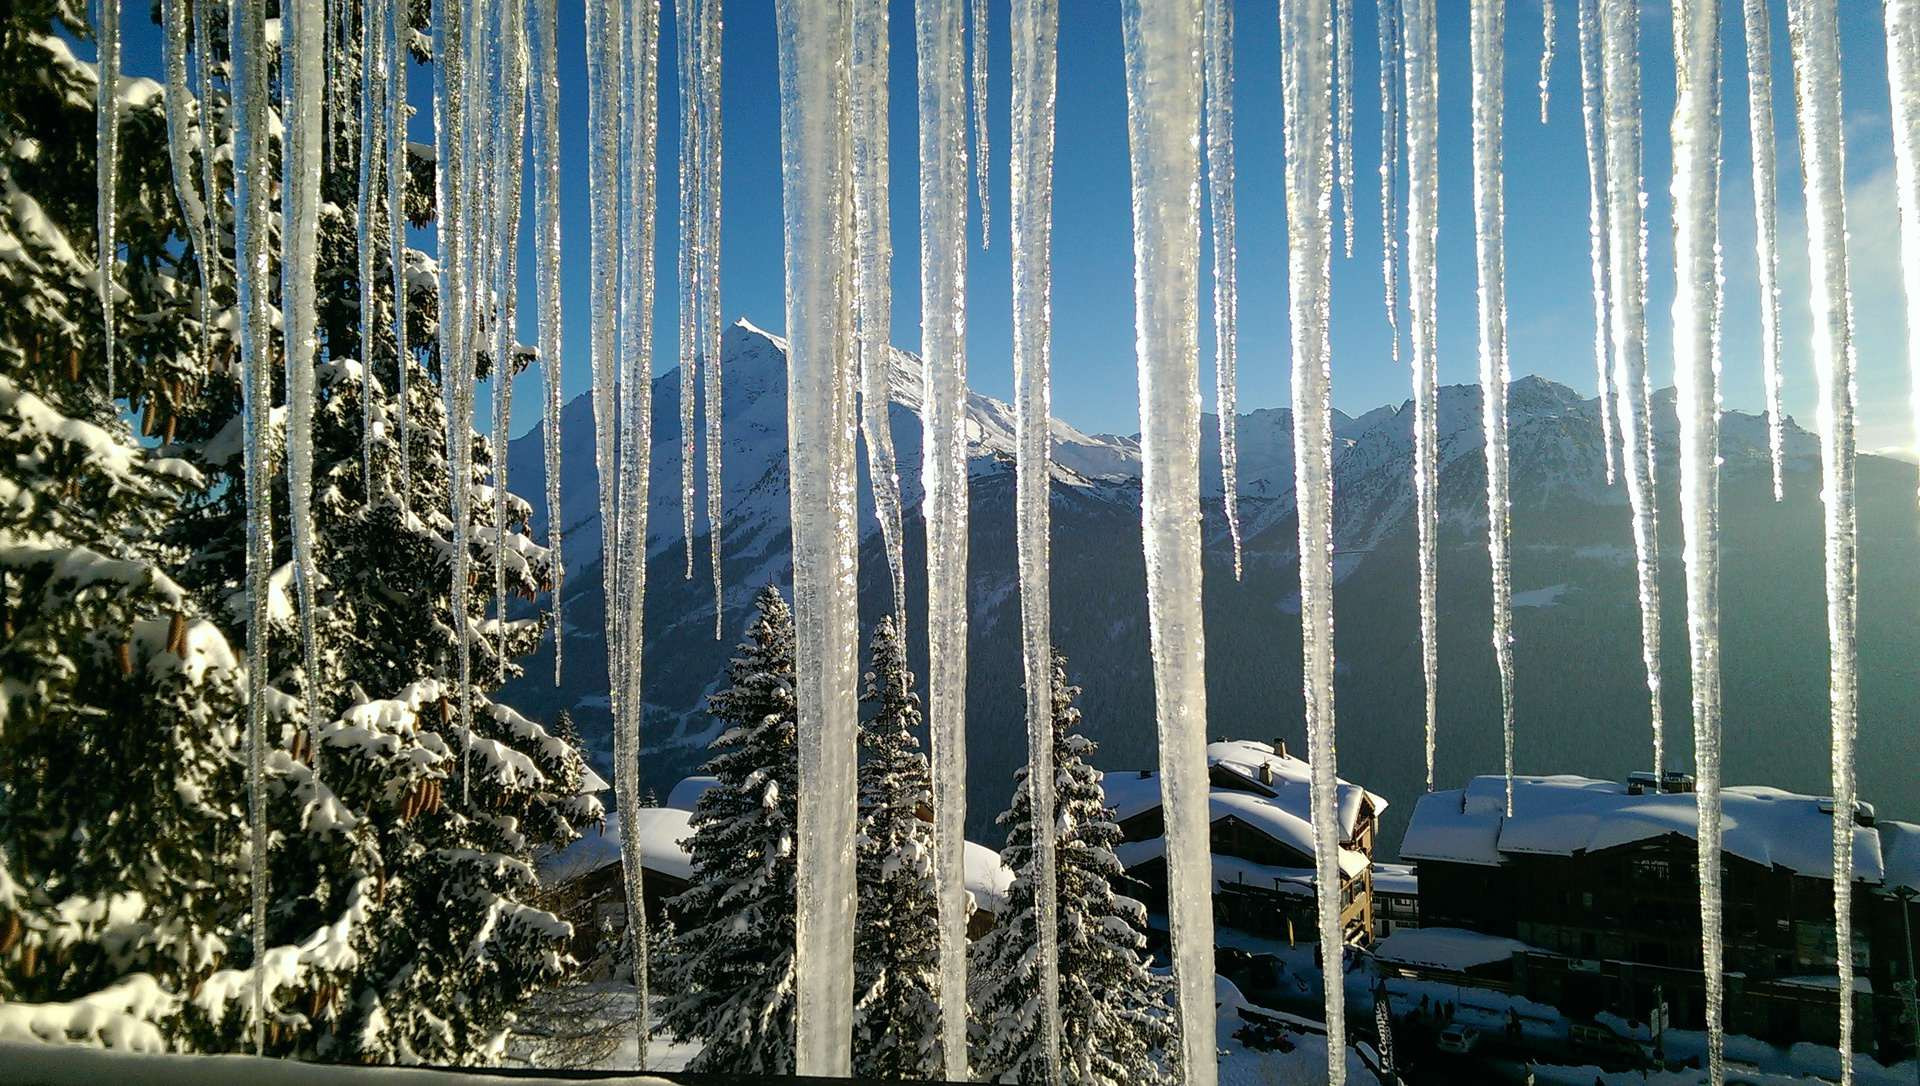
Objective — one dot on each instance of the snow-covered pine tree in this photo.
(896, 1025)
(399, 928)
(1115, 1018)
(727, 976)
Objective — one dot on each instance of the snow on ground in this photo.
(1305, 1065)
(1540, 597)
(77, 1065)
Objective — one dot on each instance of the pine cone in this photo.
(124, 653)
(10, 931)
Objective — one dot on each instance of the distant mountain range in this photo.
(1580, 689)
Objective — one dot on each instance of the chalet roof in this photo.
(1395, 879)
(1455, 949)
(686, 795)
(1262, 814)
(1130, 792)
(1900, 848)
(1565, 815)
(1232, 869)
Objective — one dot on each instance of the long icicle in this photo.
(1218, 34)
(1164, 101)
(686, 257)
(1547, 29)
(710, 313)
(546, 210)
(107, 164)
(1306, 90)
(210, 188)
(815, 47)
(373, 82)
(399, 56)
(1812, 26)
(252, 201)
(980, 156)
(509, 155)
(941, 53)
(1034, 35)
(1598, 241)
(306, 29)
(872, 285)
(1422, 45)
(1343, 97)
(1696, 342)
(1390, 138)
(193, 208)
(1626, 249)
(1903, 75)
(448, 97)
(1489, 21)
(1766, 216)
(604, 21)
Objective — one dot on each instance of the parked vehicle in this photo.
(1457, 1039)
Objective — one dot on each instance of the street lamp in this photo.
(1906, 894)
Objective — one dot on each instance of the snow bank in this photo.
(61, 1065)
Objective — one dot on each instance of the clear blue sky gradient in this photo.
(1550, 309)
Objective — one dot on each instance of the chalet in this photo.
(1261, 840)
(1592, 887)
(1396, 899)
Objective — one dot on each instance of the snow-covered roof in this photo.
(1395, 879)
(988, 880)
(1446, 948)
(1232, 868)
(1133, 792)
(1565, 815)
(1900, 852)
(686, 795)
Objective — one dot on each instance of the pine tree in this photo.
(400, 924)
(896, 1027)
(1115, 1019)
(727, 977)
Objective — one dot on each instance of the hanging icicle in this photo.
(605, 72)
(1489, 23)
(1343, 149)
(1626, 250)
(1696, 344)
(709, 27)
(1164, 100)
(981, 159)
(1903, 77)
(373, 84)
(1033, 36)
(1390, 136)
(193, 209)
(686, 256)
(253, 205)
(941, 52)
(209, 254)
(1306, 93)
(872, 285)
(1218, 34)
(1598, 259)
(106, 33)
(1766, 218)
(1813, 29)
(1546, 56)
(509, 155)
(815, 45)
(306, 31)
(400, 31)
(1422, 45)
(546, 210)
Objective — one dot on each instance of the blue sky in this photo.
(1094, 369)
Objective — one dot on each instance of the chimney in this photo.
(1146, 774)
(1280, 746)
(1266, 774)
(1675, 783)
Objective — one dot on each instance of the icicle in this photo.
(1422, 45)
(193, 208)
(943, 277)
(1164, 93)
(373, 41)
(1343, 96)
(1034, 35)
(605, 68)
(815, 46)
(107, 170)
(253, 204)
(546, 210)
(873, 287)
(1218, 19)
(449, 174)
(1306, 90)
(1766, 196)
(509, 153)
(1696, 344)
(687, 258)
(1489, 20)
(1546, 56)
(209, 256)
(1598, 259)
(1812, 28)
(1626, 249)
(710, 313)
(981, 160)
(395, 102)
(306, 31)
(1903, 76)
(1390, 136)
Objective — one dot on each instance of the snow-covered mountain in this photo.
(1580, 690)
